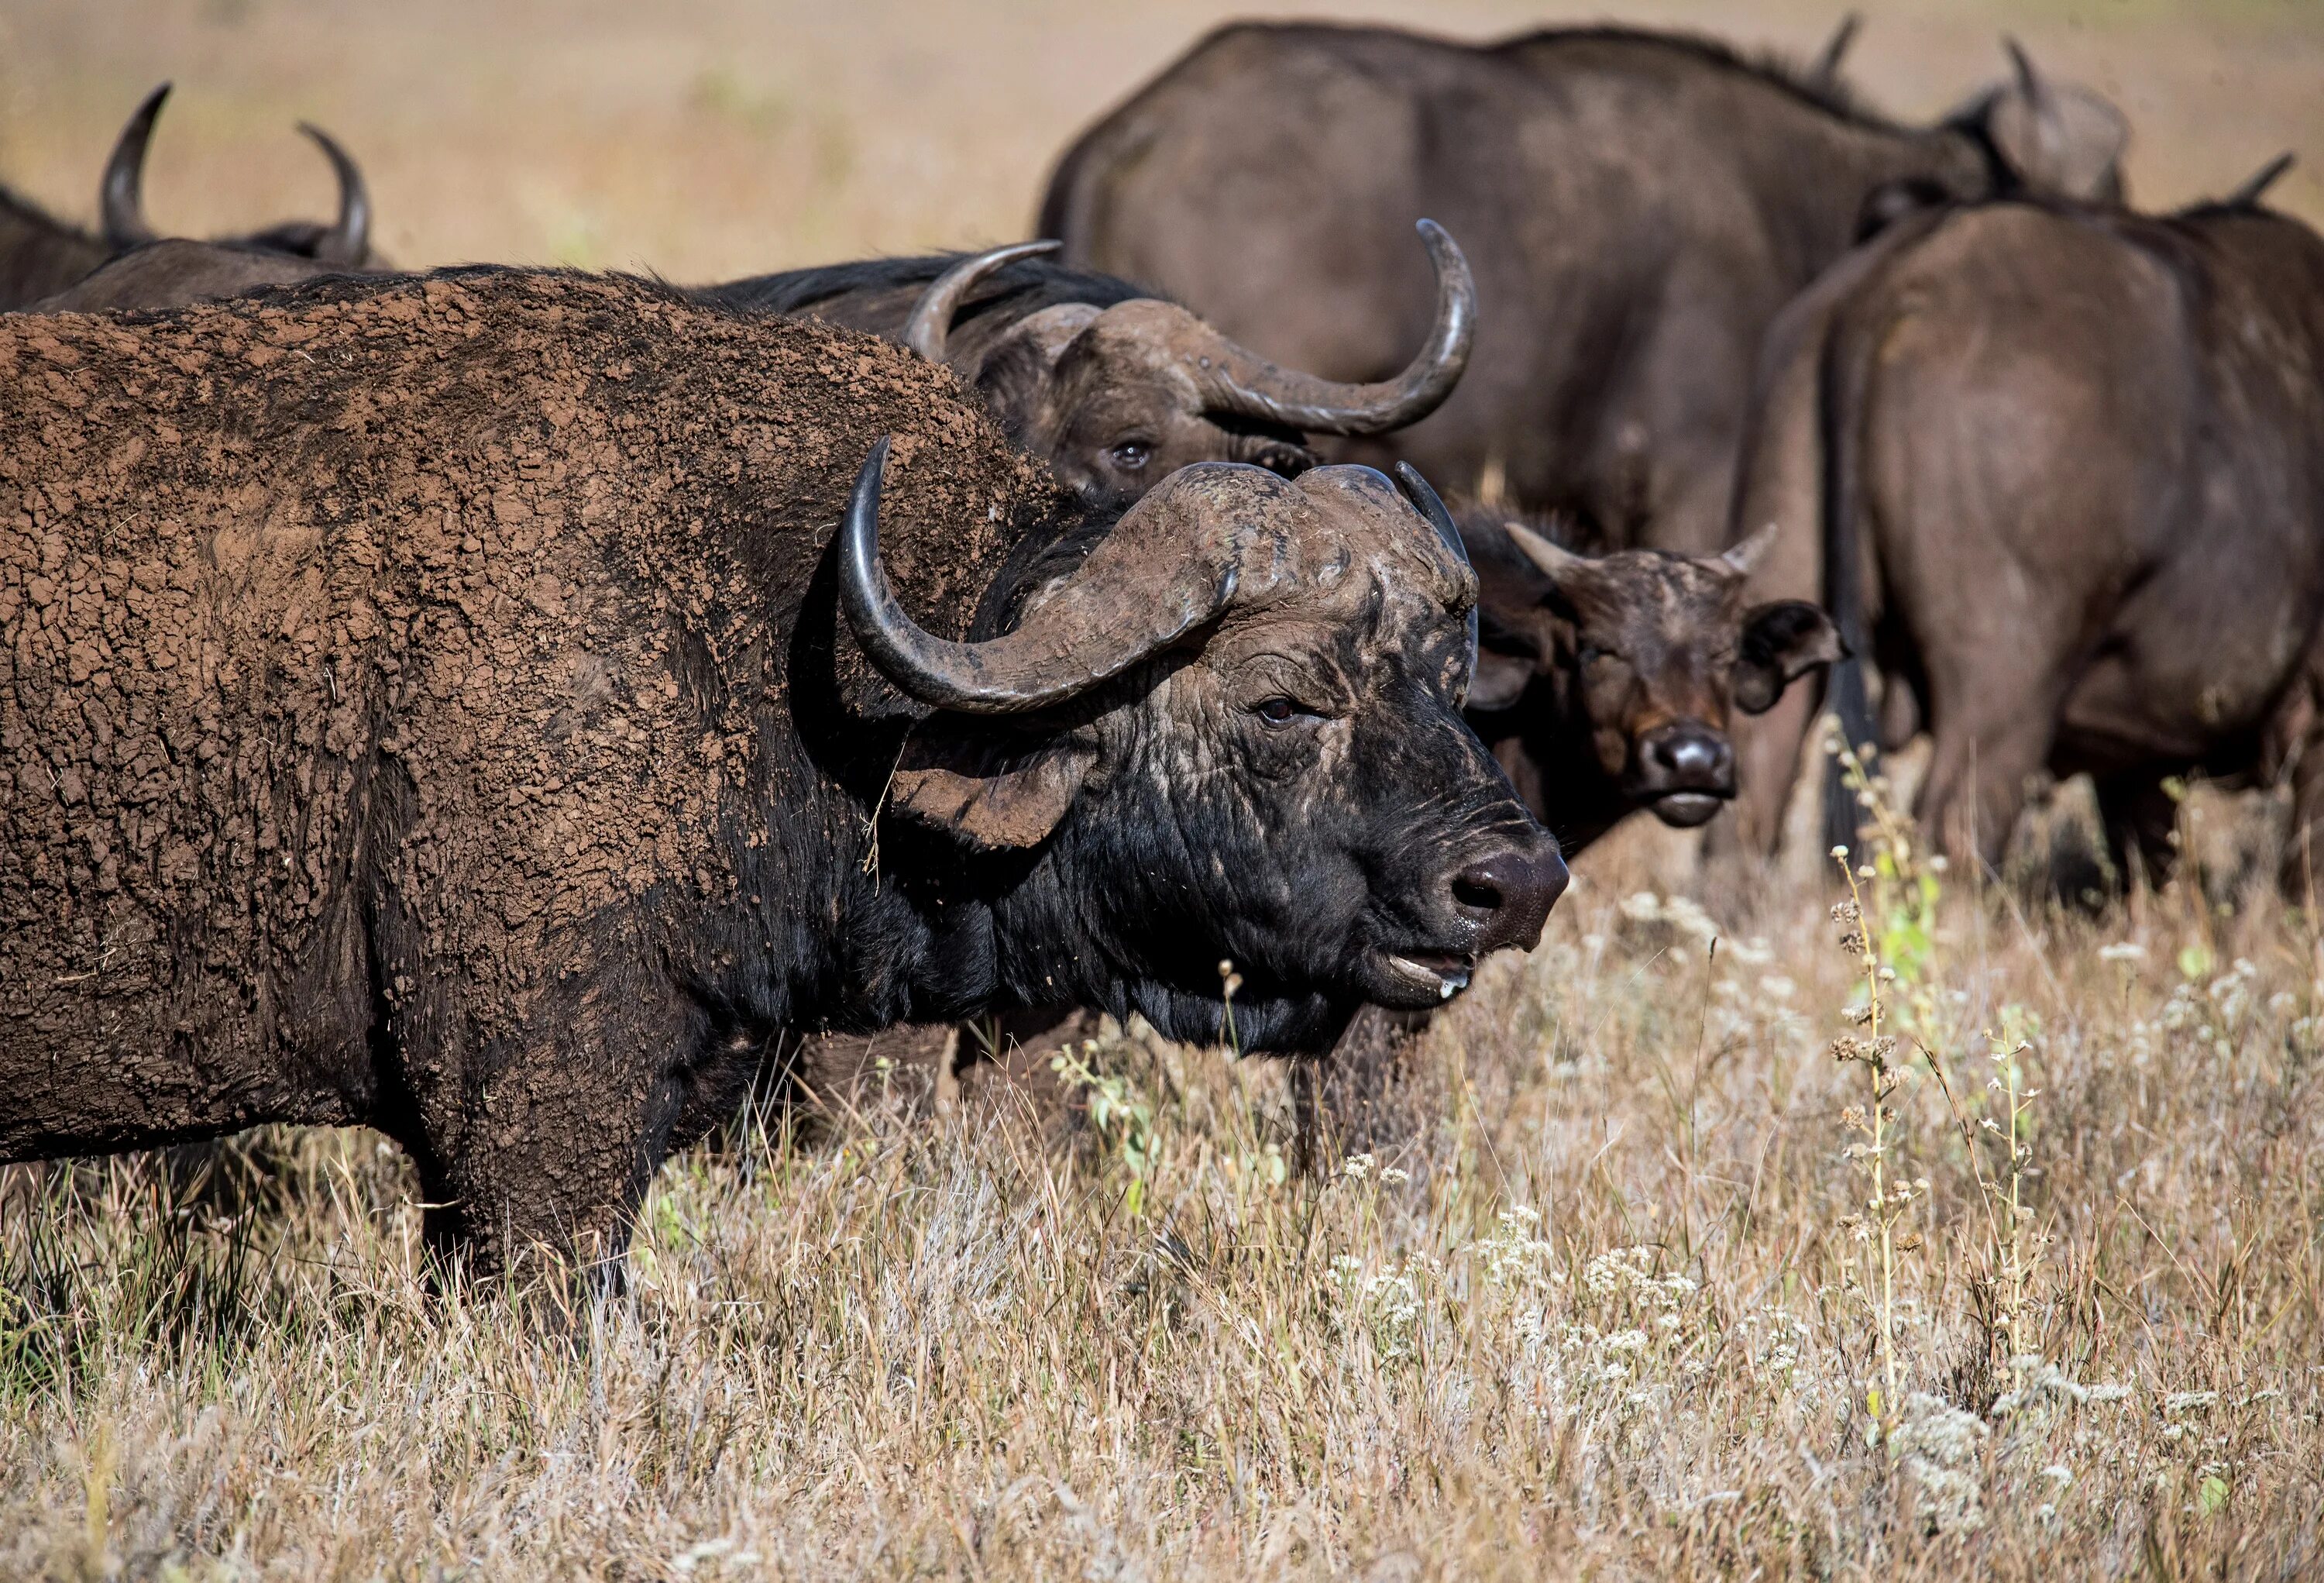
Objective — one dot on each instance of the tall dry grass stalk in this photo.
(1592, 1300)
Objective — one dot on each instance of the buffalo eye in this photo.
(1280, 710)
(1131, 455)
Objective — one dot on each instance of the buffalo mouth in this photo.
(1685, 809)
(1416, 980)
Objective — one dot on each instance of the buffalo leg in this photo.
(2140, 824)
(1987, 748)
(2302, 871)
(557, 1148)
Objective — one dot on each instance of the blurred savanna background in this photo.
(708, 139)
(1617, 1272)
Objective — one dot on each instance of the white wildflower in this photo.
(1937, 1445)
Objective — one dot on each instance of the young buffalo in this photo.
(1605, 684)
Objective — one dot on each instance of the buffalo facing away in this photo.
(1114, 387)
(41, 257)
(2060, 469)
(1636, 207)
(1605, 684)
(460, 708)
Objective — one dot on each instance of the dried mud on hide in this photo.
(463, 605)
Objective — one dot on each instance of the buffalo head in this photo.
(2052, 137)
(1228, 726)
(346, 240)
(1118, 398)
(1639, 655)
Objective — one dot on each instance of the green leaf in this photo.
(2211, 1494)
(2194, 960)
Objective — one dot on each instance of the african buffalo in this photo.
(483, 706)
(173, 273)
(42, 256)
(1637, 207)
(2058, 470)
(1115, 388)
(1605, 684)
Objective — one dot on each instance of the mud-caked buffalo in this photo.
(489, 707)
(42, 256)
(1637, 207)
(2058, 470)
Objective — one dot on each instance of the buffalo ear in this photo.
(1782, 642)
(1500, 682)
(996, 792)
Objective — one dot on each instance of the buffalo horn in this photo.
(2256, 185)
(1237, 381)
(1431, 506)
(1556, 562)
(1119, 606)
(2029, 81)
(1825, 71)
(1743, 557)
(348, 241)
(121, 196)
(930, 324)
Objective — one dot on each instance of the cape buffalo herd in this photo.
(41, 257)
(506, 708)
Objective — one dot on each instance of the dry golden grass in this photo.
(1594, 1303)
(1598, 1304)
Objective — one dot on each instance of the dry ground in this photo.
(1602, 1296)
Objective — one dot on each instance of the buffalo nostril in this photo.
(1510, 894)
(1476, 890)
(1695, 757)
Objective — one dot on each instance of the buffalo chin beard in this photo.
(1265, 1022)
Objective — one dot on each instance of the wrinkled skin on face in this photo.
(1296, 791)
(1111, 397)
(1606, 684)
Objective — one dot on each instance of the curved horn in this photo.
(2029, 81)
(1825, 70)
(1743, 557)
(927, 330)
(2255, 186)
(1115, 610)
(1431, 506)
(121, 196)
(1237, 381)
(1556, 562)
(348, 241)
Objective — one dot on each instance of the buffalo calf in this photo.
(1606, 684)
